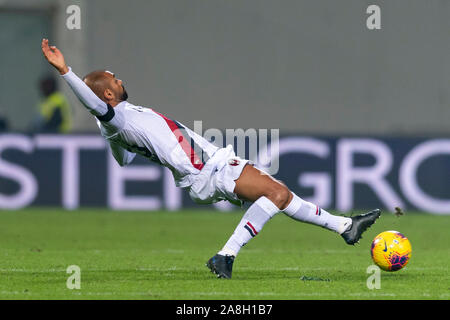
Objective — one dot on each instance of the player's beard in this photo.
(124, 95)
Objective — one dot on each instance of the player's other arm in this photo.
(89, 99)
(122, 156)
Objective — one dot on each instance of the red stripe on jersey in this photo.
(196, 162)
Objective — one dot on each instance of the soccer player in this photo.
(208, 173)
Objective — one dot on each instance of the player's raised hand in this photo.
(54, 57)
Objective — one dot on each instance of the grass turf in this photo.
(162, 255)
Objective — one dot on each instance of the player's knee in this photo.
(279, 195)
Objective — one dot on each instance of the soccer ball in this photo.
(390, 250)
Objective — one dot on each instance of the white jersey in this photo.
(132, 130)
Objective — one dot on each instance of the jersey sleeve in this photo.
(122, 156)
(87, 97)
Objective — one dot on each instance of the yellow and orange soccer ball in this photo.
(391, 250)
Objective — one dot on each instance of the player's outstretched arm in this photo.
(54, 57)
(89, 99)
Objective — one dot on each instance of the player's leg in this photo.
(254, 184)
(271, 196)
(268, 196)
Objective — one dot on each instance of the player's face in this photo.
(118, 88)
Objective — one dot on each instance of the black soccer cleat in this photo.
(220, 265)
(360, 224)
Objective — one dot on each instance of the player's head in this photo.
(106, 86)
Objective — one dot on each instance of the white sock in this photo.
(305, 211)
(261, 211)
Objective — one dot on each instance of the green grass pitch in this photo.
(162, 255)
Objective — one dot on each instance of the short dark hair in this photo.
(95, 81)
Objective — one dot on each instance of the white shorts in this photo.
(216, 180)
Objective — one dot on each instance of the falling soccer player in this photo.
(210, 174)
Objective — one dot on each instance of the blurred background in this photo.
(376, 102)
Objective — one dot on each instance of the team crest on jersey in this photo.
(234, 162)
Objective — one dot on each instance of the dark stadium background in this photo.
(308, 68)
